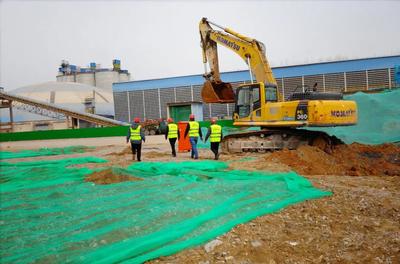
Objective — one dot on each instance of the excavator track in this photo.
(276, 139)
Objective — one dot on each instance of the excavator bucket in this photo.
(217, 92)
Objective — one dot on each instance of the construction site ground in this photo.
(359, 223)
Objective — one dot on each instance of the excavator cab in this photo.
(217, 92)
(251, 97)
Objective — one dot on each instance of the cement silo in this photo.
(93, 75)
(66, 78)
(86, 78)
(105, 79)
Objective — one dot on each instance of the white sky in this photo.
(155, 39)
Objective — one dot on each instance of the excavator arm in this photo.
(250, 50)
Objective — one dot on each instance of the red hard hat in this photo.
(213, 121)
(170, 120)
(191, 116)
(136, 120)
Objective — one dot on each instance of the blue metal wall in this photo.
(279, 72)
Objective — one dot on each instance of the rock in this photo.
(204, 262)
(229, 258)
(211, 245)
(293, 243)
(256, 243)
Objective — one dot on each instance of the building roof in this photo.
(279, 72)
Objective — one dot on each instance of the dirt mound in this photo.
(109, 176)
(355, 160)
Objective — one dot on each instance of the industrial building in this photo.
(85, 90)
(177, 96)
(94, 75)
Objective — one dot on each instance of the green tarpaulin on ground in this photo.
(42, 152)
(50, 214)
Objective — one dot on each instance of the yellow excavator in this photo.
(259, 104)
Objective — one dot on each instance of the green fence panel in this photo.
(65, 133)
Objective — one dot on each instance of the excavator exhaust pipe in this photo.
(217, 92)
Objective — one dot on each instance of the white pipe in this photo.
(251, 74)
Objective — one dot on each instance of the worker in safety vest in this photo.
(136, 136)
(172, 134)
(194, 131)
(215, 134)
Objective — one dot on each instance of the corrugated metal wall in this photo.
(152, 103)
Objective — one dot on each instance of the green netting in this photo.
(378, 119)
(42, 152)
(50, 214)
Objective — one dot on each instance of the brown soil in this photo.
(353, 160)
(124, 152)
(359, 223)
(108, 176)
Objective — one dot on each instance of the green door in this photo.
(180, 112)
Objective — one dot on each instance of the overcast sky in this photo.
(155, 39)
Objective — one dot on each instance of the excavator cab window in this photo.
(271, 94)
(248, 99)
(243, 102)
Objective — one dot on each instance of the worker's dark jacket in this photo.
(163, 126)
(134, 126)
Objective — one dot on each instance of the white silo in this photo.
(124, 77)
(66, 78)
(105, 79)
(94, 75)
(87, 78)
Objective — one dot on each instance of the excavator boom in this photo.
(250, 50)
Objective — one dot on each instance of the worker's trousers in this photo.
(172, 142)
(136, 150)
(193, 142)
(214, 149)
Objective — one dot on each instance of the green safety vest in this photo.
(172, 131)
(215, 133)
(135, 133)
(194, 129)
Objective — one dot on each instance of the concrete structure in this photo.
(72, 118)
(150, 98)
(94, 75)
(73, 96)
(37, 125)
